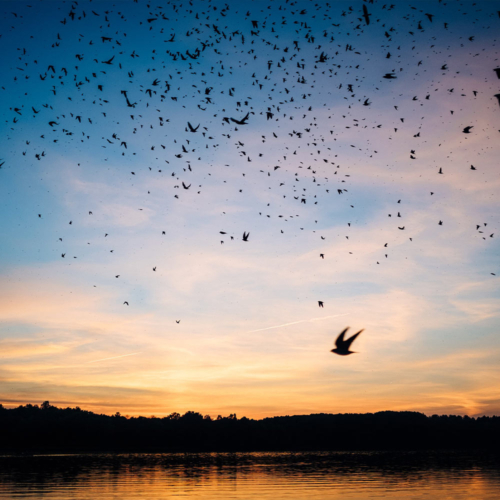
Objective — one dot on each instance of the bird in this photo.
(320, 303)
(366, 15)
(466, 130)
(245, 236)
(126, 303)
(193, 129)
(342, 346)
(243, 121)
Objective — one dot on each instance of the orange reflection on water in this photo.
(242, 476)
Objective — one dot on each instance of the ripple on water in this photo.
(263, 476)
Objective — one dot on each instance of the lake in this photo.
(260, 475)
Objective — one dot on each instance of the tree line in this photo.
(49, 428)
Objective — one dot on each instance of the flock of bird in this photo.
(176, 85)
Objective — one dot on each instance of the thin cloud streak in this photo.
(114, 357)
(297, 322)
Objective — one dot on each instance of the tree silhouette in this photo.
(48, 428)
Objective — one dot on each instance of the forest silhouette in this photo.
(51, 429)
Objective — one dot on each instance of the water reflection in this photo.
(326, 475)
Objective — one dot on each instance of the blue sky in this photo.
(251, 337)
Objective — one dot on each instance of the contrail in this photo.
(114, 357)
(297, 322)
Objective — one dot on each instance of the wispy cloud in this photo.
(296, 323)
(114, 357)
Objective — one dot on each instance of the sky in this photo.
(125, 281)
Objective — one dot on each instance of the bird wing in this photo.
(350, 340)
(340, 339)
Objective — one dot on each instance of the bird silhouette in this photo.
(243, 121)
(342, 345)
(366, 15)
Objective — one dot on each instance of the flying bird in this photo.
(342, 346)
(366, 15)
(243, 121)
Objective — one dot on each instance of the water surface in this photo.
(263, 476)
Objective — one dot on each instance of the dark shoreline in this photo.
(30, 430)
(80, 452)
